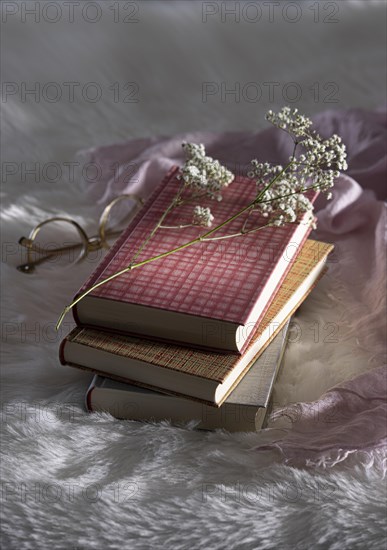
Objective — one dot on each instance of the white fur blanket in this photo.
(73, 480)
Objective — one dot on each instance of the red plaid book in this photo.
(211, 294)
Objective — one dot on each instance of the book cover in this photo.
(232, 281)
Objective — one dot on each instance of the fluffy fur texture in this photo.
(73, 480)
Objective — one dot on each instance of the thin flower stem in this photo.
(173, 205)
(246, 220)
(291, 194)
(271, 182)
(241, 233)
(176, 226)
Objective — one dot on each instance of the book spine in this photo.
(159, 339)
(121, 240)
(128, 380)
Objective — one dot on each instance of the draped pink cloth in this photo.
(355, 220)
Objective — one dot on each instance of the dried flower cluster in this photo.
(202, 216)
(204, 173)
(293, 121)
(315, 164)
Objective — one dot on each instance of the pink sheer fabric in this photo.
(347, 420)
(355, 220)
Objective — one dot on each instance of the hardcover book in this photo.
(209, 295)
(199, 374)
(244, 410)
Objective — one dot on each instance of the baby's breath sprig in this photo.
(280, 190)
(203, 173)
(314, 164)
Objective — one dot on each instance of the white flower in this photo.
(204, 173)
(202, 216)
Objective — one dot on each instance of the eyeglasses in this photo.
(42, 244)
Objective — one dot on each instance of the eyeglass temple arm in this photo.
(33, 248)
(92, 244)
(29, 267)
(105, 215)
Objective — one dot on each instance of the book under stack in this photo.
(198, 334)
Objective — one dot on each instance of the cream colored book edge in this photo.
(244, 410)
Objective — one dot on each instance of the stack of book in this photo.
(199, 334)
